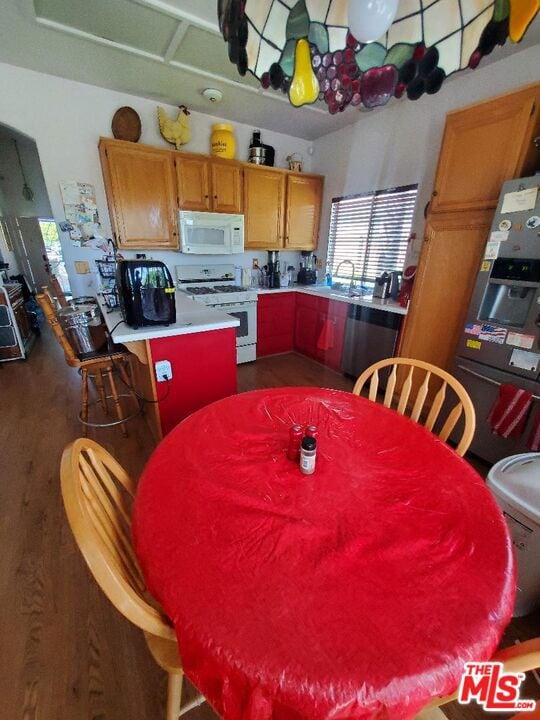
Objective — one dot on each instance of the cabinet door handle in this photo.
(206, 197)
(434, 193)
(215, 197)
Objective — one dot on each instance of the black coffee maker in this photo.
(307, 275)
(274, 269)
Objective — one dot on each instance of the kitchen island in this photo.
(201, 349)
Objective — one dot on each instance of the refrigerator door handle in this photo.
(487, 379)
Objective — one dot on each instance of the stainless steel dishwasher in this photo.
(370, 335)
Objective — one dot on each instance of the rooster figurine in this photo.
(177, 132)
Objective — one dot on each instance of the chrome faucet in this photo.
(351, 286)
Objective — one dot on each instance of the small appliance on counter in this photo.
(273, 269)
(395, 283)
(307, 275)
(382, 286)
(407, 281)
(146, 293)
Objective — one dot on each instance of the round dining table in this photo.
(356, 592)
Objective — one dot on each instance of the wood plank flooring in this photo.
(66, 654)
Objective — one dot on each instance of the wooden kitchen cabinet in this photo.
(227, 180)
(141, 194)
(484, 145)
(206, 184)
(445, 278)
(303, 211)
(264, 203)
(282, 209)
(193, 180)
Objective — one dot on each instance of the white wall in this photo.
(399, 144)
(12, 200)
(66, 119)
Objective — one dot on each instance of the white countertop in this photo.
(191, 317)
(325, 291)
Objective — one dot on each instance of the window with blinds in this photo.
(372, 230)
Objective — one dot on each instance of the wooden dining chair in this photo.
(100, 367)
(416, 412)
(98, 495)
(516, 659)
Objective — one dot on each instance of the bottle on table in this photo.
(295, 440)
(308, 455)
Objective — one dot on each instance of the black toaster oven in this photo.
(146, 293)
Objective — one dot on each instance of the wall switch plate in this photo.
(163, 370)
(82, 267)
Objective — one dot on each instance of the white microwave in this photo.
(206, 233)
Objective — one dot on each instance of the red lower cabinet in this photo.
(332, 333)
(275, 323)
(203, 370)
(320, 328)
(311, 325)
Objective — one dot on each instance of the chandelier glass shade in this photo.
(305, 48)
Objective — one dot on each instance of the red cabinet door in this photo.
(275, 323)
(306, 335)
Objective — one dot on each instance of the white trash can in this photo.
(515, 483)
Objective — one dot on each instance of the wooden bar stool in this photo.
(101, 368)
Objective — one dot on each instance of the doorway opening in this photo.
(31, 244)
(53, 251)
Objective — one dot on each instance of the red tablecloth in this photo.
(357, 592)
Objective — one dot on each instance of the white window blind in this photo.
(372, 230)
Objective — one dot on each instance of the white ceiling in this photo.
(167, 50)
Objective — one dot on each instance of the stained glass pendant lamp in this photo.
(364, 52)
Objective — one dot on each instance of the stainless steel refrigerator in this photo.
(500, 342)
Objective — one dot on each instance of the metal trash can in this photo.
(83, 327)
(515, 483)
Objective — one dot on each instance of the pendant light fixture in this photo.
(364, 52)
(27, 192)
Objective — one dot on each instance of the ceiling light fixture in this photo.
(215, 96)
(364, 52)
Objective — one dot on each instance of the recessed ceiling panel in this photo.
(208, 51)
(119, 20)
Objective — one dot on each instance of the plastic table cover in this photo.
(356, 592)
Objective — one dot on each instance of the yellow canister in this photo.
(222, 141)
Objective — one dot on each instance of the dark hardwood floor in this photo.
(66, 653)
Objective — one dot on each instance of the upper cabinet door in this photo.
(141, 195)
(304, 194)
(192, 175)
(264, 208)
(483, 146)
(226, 187)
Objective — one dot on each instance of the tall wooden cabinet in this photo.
(141, 194)
(483, 145)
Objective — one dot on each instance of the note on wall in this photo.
(492, 250)
(519, 201)
(81, 211)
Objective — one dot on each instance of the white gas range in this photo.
(214, 286)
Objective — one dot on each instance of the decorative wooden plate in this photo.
(126, 124)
